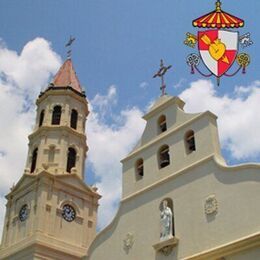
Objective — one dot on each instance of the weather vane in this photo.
(68, 45)
(218, 47)
(160, 73)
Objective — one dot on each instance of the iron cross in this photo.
(68, 45)
(160, 73)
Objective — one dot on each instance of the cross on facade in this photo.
(160, 73)
(68, 45)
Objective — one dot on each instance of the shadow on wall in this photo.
(171, 256)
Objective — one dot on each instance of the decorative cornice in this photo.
(42, 130)
(51, 87)
(230, 248)
(57, 178)
(166, 246)
(38, 241)
(66, 91)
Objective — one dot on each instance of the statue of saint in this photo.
(166, 221)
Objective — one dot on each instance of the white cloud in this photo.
(21, 78)
(109, 143)
(180, 83)
(29, 70)
(238, 115)
(144, 85)
(105, 103)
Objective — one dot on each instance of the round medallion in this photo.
(68, 213)
(24, 212)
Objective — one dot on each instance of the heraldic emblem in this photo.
(218, 44)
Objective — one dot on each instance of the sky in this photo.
(117, 50)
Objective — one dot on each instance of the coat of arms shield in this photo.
(218, 49)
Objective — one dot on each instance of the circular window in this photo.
(68, 213)
(24, 212)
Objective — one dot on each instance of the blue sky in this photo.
(117, 50)
(121, 42)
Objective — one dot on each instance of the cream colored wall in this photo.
(60, 141)
(15, 230)
(237, 217)
(174, 116)
(45, 195)
(68, 100)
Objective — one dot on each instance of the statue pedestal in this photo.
(166, 246)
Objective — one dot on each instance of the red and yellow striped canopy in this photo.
(218, 19)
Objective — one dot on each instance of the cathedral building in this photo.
(180, 200)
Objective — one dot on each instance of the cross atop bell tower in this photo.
(68, 45)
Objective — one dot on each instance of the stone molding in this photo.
(166, 246)
(229, 248)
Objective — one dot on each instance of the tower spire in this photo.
(67, 77)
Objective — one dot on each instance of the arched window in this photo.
(190, 142)
(74, 119)
(162, 125)
(164, 156)
(167, 218)
(71, 162)
(139, 169)
(56, 115)
(41, 118)
(34, 159)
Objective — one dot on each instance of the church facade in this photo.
(180, 200)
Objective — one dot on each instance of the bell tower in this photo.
(58, 143)
(51, 212)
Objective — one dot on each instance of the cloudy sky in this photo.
(118, 48)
